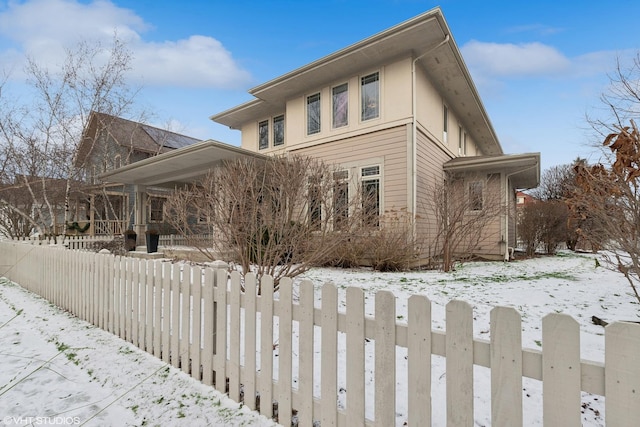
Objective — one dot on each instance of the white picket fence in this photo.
(200, 321)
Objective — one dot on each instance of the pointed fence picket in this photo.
(216, 327)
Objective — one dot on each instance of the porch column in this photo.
(140, 213)
(92, 215)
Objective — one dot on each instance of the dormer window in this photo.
(370, 96)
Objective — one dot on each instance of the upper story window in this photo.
(340, 105)
(462, 142)
(263, 134)
(313, 114)
(445, 123)
(117, 161)
(370, 96)
(278, 130)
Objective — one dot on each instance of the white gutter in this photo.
(414, 130)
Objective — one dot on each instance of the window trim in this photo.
(363, 116)
(276, 142)
(333, 105)
(149, 217)
(445, 122)
(373, 177)
(308, 98)
(476, 201)
(263, 137)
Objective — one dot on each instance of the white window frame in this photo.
(363, 117)
(276, 141)
(344, 88)
(308, 98)
(462, 141)
(445, 122)
(263, 137)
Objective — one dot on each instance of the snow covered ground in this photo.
(68, 372)
(54, 365)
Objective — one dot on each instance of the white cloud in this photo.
(43, 29)
(196, 62)
(511, 60)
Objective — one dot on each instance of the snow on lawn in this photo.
(56, 365)
(568, 283)
(70, 372)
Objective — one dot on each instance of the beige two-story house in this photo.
(397, 112)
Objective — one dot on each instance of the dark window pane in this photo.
(278, 130)
(313, 114)
(263, 134)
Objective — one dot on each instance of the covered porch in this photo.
(169, 171)
(516, 172)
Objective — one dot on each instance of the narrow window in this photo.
(278, 130)
(117, 161)
(313, 114)
(475, 196)
(370, 96)
(371, 195)
(460, 141)
(445, 123)
(340, 199)
(315, 204)
(263, 134)
(340, 101)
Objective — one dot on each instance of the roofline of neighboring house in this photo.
(266, 93)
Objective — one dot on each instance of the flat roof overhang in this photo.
(522, 169)
(423, 37)
(178, 167)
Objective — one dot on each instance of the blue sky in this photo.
(540, 66)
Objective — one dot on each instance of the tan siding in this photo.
(389, 145)
(429, 161)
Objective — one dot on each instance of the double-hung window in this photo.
(313, 114)
(340, 105)
(370, 96)
(156, 209)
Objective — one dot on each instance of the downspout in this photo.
(506, 217)
(414, 129)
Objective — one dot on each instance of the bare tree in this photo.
(276, 216)
(607, 193)
(40, 140)
(465, 207)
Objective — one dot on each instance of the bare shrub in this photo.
(464, 207)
